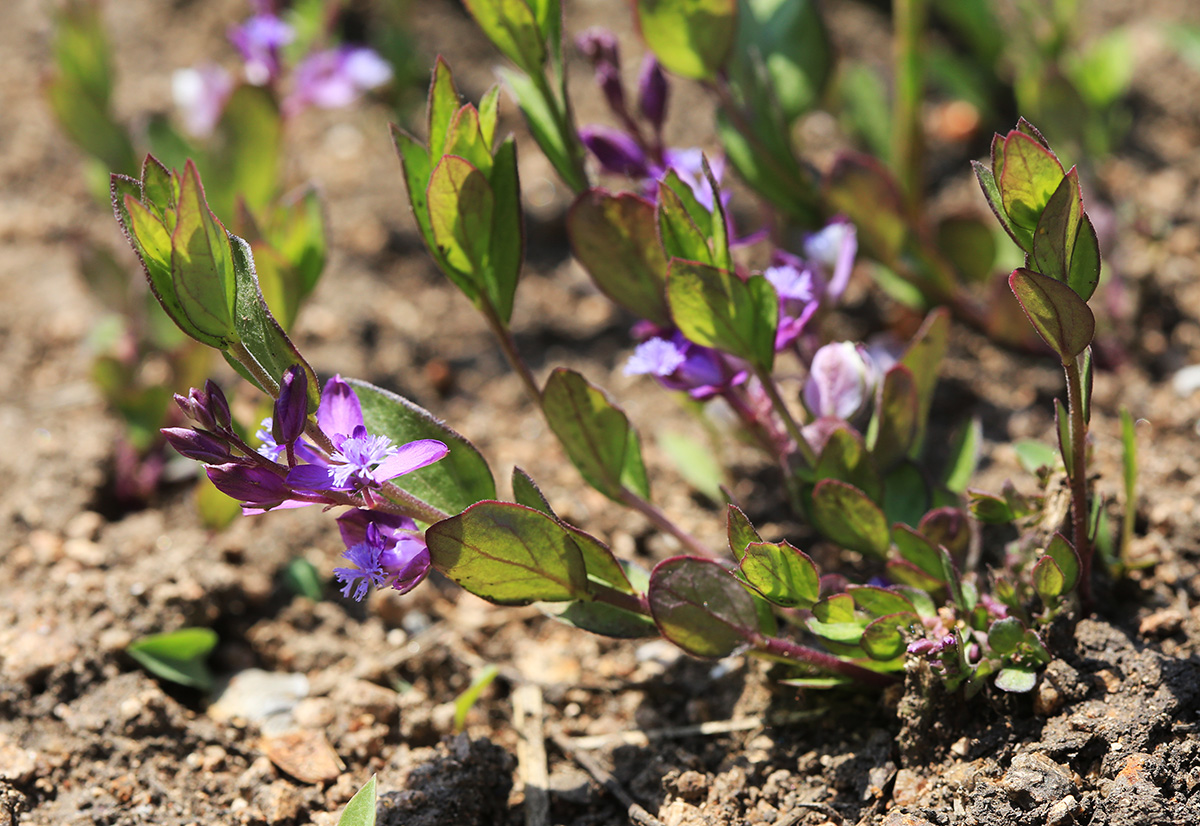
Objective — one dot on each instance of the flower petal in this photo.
(340, 411)
(410, 457)
(311, 477)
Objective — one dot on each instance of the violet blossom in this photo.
(201, 93)
(336, 77)
(259, 40)
(841, 381)
(679, 364)
(386, 549)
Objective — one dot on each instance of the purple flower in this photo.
(258, 488)
(201, 94)
(198, 445)
(616, 151)
(336, 77)
(833, 249)
(679, 364)
(259, 40)
(798, 298)
(841, 381)
(208, 407)
(360, 460)
(385, 548)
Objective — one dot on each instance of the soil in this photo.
(322, 695)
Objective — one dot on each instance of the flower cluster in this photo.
(343, 464)
(326, 78)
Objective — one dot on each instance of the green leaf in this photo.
(910, 575)
(739, 530)
(360, 811)
(964, 457)
(513, 29)
(249, 137)
(489, 113)
(1084, 273)
(455, 482)
(416, 166)
(784, 575)
(508, 231)
(560, 146)
(691, 38)
(716, 308)
(865, 191)
(260, 334)
(991, 191)
(790, 39)
(848, 517)
(1056, 312)
(527, 493)
(596, 435)
(696, 461)
(881, 601)
(924, 358)
(1029, 176)
(989, 508)
(461, 205)
(893, 426)
(1034, 455)
(701, 607)
(916, 549)
(301, 578)
(177, 656)
(886, 638)
(682, 235)
(465, 701)
(970, 247)
(614, 238)
(602, 618)
(465, 140)
(202, 274)
(845, 458)
(599, 562)
(948, 527)
(1054, 238)
(1067, 560)
(443, 104)
(1016, 680)
(1004, 635)
(834, 619)
(1048, 580)
(1066, 449)
(508, 554)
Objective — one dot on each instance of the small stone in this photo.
(1047, 699)
(1063, 812)
(305, 755)
(262, 697)
(1034, 779)
(314, 712)
(691, 785)
(359, 697)
(17, 765)
(1162, 623)
(902, 819)
(280, 802)
(909, 787)
(85, 525)
(961, 747)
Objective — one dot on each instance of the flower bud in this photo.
(198, 445)
(599, 46)
(617, 152)
(218, 405)
(652, 92)
(840, 381)
(291, 408)
(249, 484)
(608, 77)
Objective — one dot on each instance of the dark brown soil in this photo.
(1109, 736)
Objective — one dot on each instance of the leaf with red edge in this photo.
(701, 607)
(1056, 311)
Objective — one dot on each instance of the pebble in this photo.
(1034, 779)
(1186, 381)
(902, 819)
(1162, 623)
(909, 787)
(263, 697)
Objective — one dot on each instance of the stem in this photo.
(788, 650)
(413, 507)
(1078, 465)
(265, 380)
(793, 429)
(634, 603)
(509, 346)
(576, 176)
(660, 521)
(909, 17)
